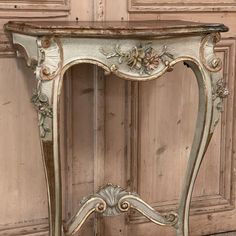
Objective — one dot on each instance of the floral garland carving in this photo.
(41, 103)
(220, 91)
(143, 58)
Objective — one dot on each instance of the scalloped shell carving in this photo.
(50, 57)
(111, 194)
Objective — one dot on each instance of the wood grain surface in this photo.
(114, 28)
(22, 184)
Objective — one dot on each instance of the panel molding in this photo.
(224, 200)
(169, 6)
(29, 9)
(32, 228)
(5, 45)
(24, 9)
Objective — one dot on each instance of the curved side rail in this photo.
(94, 204)
(131, 201)
(113, 200)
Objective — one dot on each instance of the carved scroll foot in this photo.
(112, 200)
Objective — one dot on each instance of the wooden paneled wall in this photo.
(134, 135)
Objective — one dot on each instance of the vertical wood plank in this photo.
(82, 136)
(22, 188)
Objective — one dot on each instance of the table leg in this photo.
(46, 101)
(208, 116)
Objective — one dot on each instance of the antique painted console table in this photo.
(136, 51)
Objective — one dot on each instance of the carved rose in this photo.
(41, 103)
(221, 89)
(151, 60)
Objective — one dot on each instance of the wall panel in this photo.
(176, 5)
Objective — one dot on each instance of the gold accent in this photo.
(207, 52)
(117, 200)
(46, 42)
(113, 68)
(46, 71)
(90, 206)
(135, 202)
(125, 76)
(125, 206)
(50, 57)
(100, 208)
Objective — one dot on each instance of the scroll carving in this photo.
(132, 201)
(111, 194)
(50, 57)
(207, 53)
(48, 66)
(214, 64)
(143, 59)
(113, 200)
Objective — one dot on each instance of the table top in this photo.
(109, 29)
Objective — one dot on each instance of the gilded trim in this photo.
(50, 57)
(207, 52)
(112, 200)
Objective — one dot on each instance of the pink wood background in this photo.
(102, 117)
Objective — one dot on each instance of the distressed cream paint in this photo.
(51, 48)
(24, 207)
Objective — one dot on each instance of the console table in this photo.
(135, 51)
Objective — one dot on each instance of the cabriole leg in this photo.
(211, 93)
(46, 100)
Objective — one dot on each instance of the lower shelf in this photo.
(112, 200)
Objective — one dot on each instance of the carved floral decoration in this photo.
(41, 103)
(117, 200)
(143, 58)
(220, 91)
